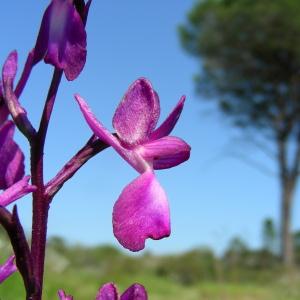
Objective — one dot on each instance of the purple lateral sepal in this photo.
(11, 157)
(135, 292)
(109, 292)
(63, 296)
(141, 212)
(16, 191)
(61, 40)
(7, 269)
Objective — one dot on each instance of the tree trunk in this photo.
(287, 248)
(288, 178)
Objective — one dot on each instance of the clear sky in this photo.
(213, 196)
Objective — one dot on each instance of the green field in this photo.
(83, 285)
(198, 274)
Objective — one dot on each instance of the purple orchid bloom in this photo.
(7, 269)
(142, 210)
(109, 292)
(61, 40)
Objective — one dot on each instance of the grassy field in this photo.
(84, 285)
(193, 275)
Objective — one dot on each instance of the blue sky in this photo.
(213, 196)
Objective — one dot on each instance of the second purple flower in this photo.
(142, 209)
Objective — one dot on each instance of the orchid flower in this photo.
(7, 269)
(142, 209)
(61, 41)
(109, 292)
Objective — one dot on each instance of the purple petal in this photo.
(135, 292)
(141, 212)
(63, 296)
(7, 269)
(137, 114)
(3, 108)
(131, 156)
(62, 39)
(167, 126)
(11, 157)
(8, 75)
(166, 152)
(108, 292)
(3, 111)
(10, 66)
(16, 191)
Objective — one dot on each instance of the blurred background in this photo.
(234, 204)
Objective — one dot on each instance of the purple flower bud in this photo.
(62, 38)
(109, 292)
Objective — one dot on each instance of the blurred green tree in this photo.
(269, 235)
(249, 54)
(296, 236)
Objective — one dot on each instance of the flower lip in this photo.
(141, 212)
